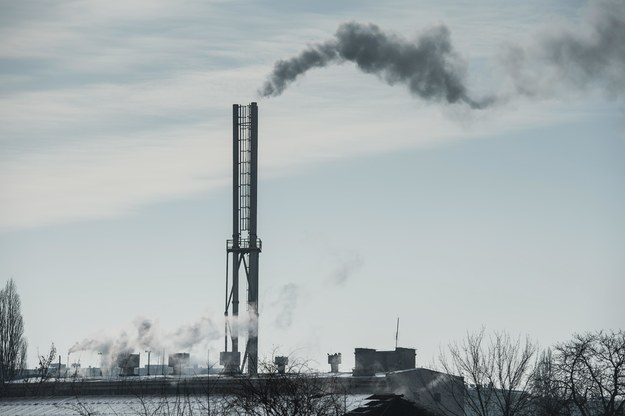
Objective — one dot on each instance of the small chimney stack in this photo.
(334, 360)
(281, 363)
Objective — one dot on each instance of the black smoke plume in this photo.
(559, 61)
(429, 67)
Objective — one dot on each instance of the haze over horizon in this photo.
(456, 165)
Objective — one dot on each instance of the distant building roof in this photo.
(390, 404)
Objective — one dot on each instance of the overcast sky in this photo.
(375, 202)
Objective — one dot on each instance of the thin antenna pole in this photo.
(397, 333)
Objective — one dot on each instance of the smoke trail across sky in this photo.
(429, 67)
(559, 60)
(566, 59)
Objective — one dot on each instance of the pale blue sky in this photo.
(114, 172)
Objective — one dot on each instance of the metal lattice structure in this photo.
(243, 249)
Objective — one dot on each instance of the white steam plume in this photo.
(147, 335)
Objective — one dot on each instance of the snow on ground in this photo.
(118, 405)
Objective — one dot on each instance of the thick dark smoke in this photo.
(573, 59)
(285, 72)
(429, 67)
(559, 61)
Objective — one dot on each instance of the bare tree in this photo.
(550, 393)
(496, 372)
(592, 367)
(514, 362)
(43, 369)
(296, 391)
(12, 342)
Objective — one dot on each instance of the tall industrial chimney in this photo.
(245, 246)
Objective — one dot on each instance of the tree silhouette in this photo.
(12, 342)
(497, 372)
(592, 368)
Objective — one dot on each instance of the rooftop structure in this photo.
(370, 361)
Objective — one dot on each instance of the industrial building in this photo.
(127, 363)
(179, 362)
(389, 378)
(389, 404)
(370, 361)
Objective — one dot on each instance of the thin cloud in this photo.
(101, 180)
(84, 138)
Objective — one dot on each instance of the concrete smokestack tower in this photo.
(245, 246)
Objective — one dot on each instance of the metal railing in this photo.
(244, 245)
